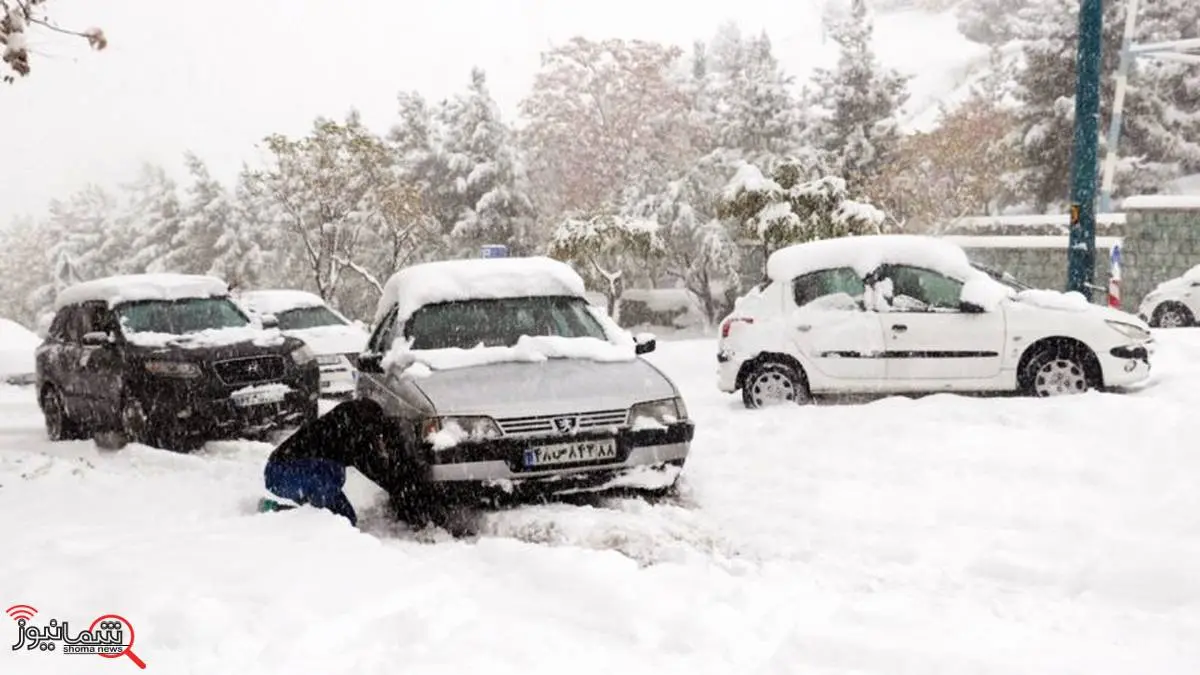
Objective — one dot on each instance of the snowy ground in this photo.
(941, 535)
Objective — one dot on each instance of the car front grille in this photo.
(563, 424)
(250, 370)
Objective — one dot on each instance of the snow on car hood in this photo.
(332, 339)
(552, 387)
(215, 337)
(1073, 302)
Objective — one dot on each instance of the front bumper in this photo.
(502, 459)
(189, 408)
(1127, 364)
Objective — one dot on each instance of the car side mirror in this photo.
(270, 321)
(967, 307)
(644, 343)
(370, 362)
(97, 338)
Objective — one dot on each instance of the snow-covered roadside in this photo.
(944, 534)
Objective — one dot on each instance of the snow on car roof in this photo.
(278, 300)
(865, 253)
(129, 288)
(1164, 202)
(450, 280)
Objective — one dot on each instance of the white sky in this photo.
(218, 75)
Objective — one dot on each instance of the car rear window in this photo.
(809, 287)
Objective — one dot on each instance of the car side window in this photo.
(381, 341)
(60, 327)
(838, 282)
(916, 289)
(96, 318)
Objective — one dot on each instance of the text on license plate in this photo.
(570, 453)
(258, 398)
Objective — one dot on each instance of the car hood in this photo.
(551, 387)
(332, 339)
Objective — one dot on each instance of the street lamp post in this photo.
(1081, 252)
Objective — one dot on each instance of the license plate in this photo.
(571, 453)
(257, 398)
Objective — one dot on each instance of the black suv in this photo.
(171, 371)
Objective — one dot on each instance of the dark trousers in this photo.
(314, 482)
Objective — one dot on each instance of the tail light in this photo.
(728, 323)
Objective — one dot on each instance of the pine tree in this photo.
(1154, 139)
(488, 179)
(859, 130)
(151, 222)
(212, 239)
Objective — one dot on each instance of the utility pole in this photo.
(1181, 51)
(1081, 253)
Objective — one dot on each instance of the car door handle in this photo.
(899, 327)
(804, 328)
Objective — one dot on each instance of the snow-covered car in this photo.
(498, 373)
(1174, 303)
(888, 314)
(336, 340)
(168, 360)
(17, 347)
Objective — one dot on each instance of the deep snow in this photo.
(940, 535)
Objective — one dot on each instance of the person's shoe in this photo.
(269, 504)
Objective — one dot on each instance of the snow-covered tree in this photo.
(698, 249)
(1155, 136)
(314, 187)
(607, 248)
(860, 99)
(149, 225)
(213, 238)
(602, 117)
(792, 207)
(990, 22)
(24, 269)
(485, 172)
(17, 19)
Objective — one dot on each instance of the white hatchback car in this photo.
(888, 314)
(1174, 303)
(336, 340)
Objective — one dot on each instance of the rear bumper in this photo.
(727, 371)
(503, 459)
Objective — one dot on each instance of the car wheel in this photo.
(59, 425)
(1058, 370)
(134, 425)
(772, 383)
(1172, 315)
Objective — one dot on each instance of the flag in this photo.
(1114, 276)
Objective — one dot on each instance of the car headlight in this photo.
(173, 368)
(1129, 330)
(663, 411)
(302, 355)
(329, 359)
(445, 431)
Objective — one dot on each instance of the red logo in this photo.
(106, 636)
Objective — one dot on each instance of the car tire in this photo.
(134, 425)
(1059, 369)
(59, 425)
(1172, 315)
(773, 382)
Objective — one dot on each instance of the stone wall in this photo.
(1043, 267)
(1162, 242)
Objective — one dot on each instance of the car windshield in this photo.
(500, 322)
(180, 317)
(308, 317)
(1001, 276)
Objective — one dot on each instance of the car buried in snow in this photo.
(335, 340)
(167, 360)
(897, 314)
(497, 376)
